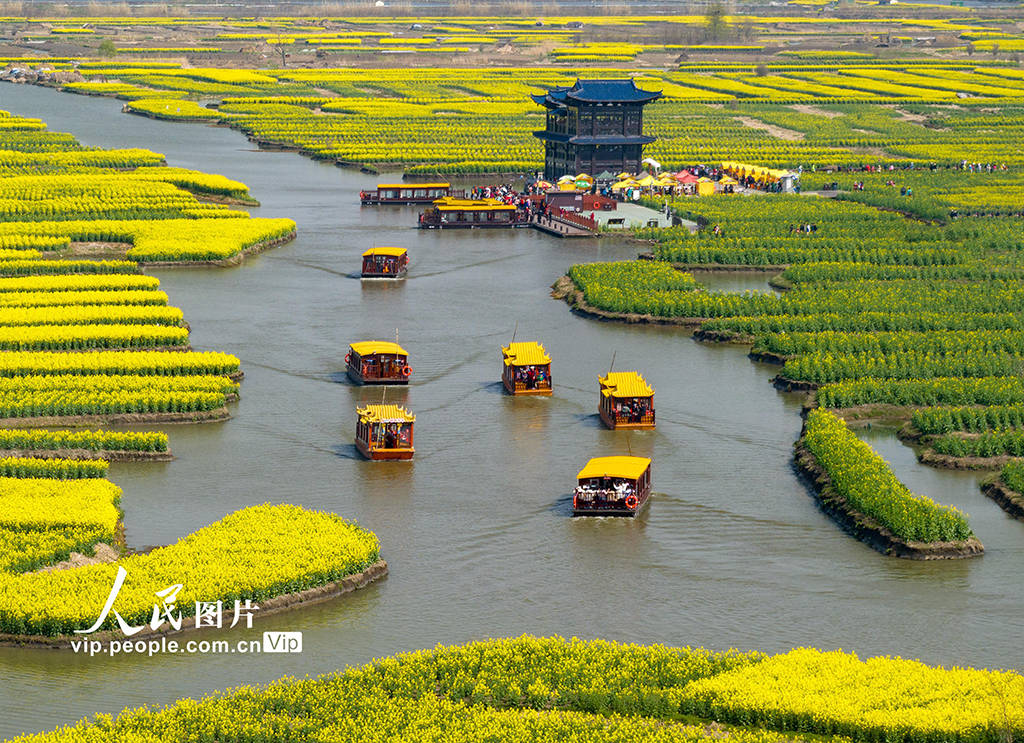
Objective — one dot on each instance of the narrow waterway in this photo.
(732, 551)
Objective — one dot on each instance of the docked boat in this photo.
(406, 193)
(385, 263)
(612, 486)
(385, 432)
(378, 362)
(626, 401)
(453, 212)
(526, 369)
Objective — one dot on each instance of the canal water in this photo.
(732, 551)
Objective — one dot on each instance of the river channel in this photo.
(732, 551)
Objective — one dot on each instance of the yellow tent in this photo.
(623, 184)
(705, 187)
(624, 175)
(567, 185)
(646, 182)
(727, 181)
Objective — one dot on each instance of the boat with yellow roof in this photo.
(385, 263)
(453, 212)
(407, 193)
(526, 369)
(378, 362)
(612, 486)
(626, 400)
(385, 432)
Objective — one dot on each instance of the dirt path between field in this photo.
(102, 552)
(806, 108)
(776, 131)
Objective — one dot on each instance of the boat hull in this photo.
(617, 511)
(536, 392)
(470, 225)
(357, 377)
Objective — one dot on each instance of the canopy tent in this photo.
(646, 182)
(623, 184)
(543, 185)
(606, 175)
(567, 179)
(684, 176)
(727, 181)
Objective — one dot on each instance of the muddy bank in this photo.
(723, 336)
(793, 385)
(1009, 500)
(566, 290)
(110, 455)
(218, 198)
(280, 603)
(865, 528)
(767, 357)
(107, 419)
(948, 462)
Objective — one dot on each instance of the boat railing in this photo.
(601, 496)
(632, 418)
(540, 384)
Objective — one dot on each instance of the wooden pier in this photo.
(568, 225)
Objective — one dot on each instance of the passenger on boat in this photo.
(531, 377)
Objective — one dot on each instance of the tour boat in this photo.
(452, 212)
(385, 263)
(378, 362)
(626, 401)
(526, 369)
(612, 486)
(405, 193)
(385, 432)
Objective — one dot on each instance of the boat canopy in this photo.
(625, 384)
(385, 414)
(413, 185)
(451, 204)
(630, 468)
(526, 353)
(394, 252)
(368, 348)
